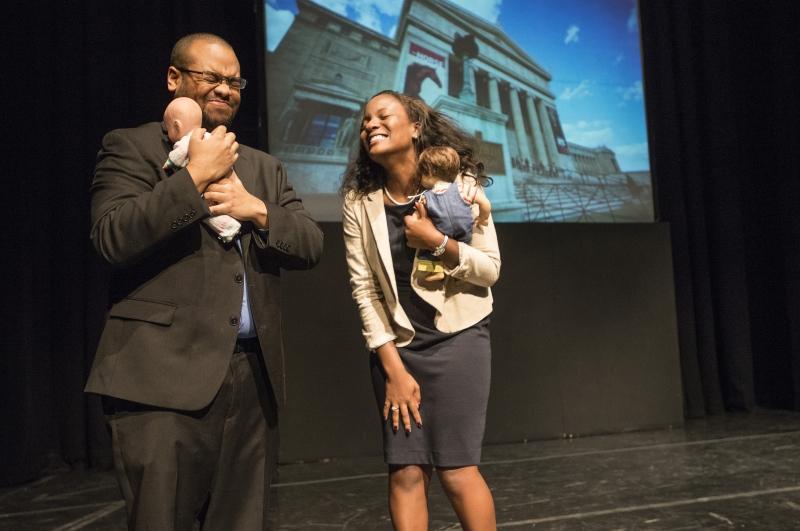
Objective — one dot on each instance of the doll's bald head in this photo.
(181, 116)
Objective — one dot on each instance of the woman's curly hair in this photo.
(364, 176)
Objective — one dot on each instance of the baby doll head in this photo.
(438, 163)
(181, 116)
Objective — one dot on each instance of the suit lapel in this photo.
(245, 173)
(376, 214)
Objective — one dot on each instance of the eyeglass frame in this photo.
(242, 82)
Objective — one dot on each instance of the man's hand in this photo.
(211, 158)
(229, 196)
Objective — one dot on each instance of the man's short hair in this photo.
(180, 52)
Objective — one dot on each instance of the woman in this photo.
(430, 356)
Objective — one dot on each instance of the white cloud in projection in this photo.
(579, 91)
(633, 21)
(369, 17)
(488, 10)
(278, 23)
(377, 15)
(634, 92)
(591, 134)
(572, 34)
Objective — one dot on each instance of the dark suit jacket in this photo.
(177, 289)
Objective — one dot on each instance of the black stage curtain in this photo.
(721, 88)
(721, 80)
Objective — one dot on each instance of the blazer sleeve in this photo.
(293, 236)
(375, 324)
(134, 207)
(478, 261)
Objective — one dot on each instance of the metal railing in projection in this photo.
(564, 195)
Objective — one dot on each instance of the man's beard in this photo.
(210, 123)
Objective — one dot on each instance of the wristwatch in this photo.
(439, 249)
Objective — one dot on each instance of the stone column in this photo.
(494, 94)
(519, 124)
(467, 93)
(537, 132)
(549, 139)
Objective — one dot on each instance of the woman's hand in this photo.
(403, 395)
(420, 231)
(403, 399)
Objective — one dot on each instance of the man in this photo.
(190, 363)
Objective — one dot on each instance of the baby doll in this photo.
(438, 168)
(181, 117)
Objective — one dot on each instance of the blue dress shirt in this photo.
(247, 327)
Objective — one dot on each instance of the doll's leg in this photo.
(431, 269)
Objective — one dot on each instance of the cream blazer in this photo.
(463, 299)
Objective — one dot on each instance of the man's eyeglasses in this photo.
(212, 78)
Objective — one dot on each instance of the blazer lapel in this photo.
(376, 214)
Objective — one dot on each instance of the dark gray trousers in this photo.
(180, 470)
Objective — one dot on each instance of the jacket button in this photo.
(238, 277)
(234, 321)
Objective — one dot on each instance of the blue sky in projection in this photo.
(590, 47)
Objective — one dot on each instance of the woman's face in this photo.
(386, 129)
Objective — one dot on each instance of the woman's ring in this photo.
(395, 408)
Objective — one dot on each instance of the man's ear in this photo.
(173, 79)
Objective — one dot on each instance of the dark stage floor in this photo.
(733, 471)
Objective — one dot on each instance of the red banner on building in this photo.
(426, 56)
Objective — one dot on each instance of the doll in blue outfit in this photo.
(450, 212)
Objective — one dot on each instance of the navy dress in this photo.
(452, 370)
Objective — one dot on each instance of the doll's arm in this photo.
(484, 207)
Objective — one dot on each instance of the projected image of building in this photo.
(326, 66)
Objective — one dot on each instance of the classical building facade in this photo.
(326, 66)
(593, 161)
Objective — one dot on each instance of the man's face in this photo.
(218, 102)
